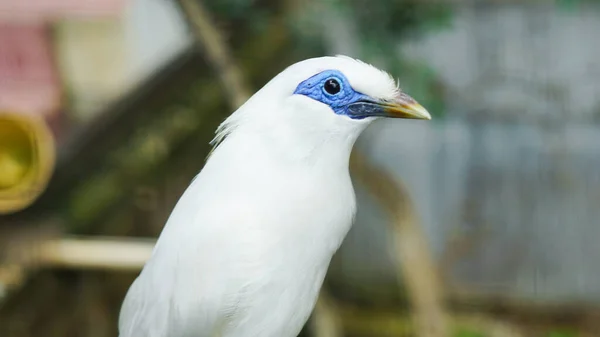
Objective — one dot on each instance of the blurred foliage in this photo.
(375, 28)
(571, 5)
(468, 333)
(563, 333)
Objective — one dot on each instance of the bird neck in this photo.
(293, 134)
(317, 149)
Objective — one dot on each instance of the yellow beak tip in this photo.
(419, 112)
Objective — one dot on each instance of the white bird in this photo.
(246, 248)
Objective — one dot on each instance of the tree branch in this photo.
(416, 265)
(216, 51)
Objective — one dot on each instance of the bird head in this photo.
(358, 91)
(320, 100)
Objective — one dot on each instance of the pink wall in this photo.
(29, 82)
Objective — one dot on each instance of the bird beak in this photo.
(402, 107)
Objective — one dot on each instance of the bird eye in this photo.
(332, 86)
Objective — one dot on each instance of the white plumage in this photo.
(246, 248)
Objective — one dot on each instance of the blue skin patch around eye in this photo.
(314, 88)
(331, 87)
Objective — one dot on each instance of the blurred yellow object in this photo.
(27, 158)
